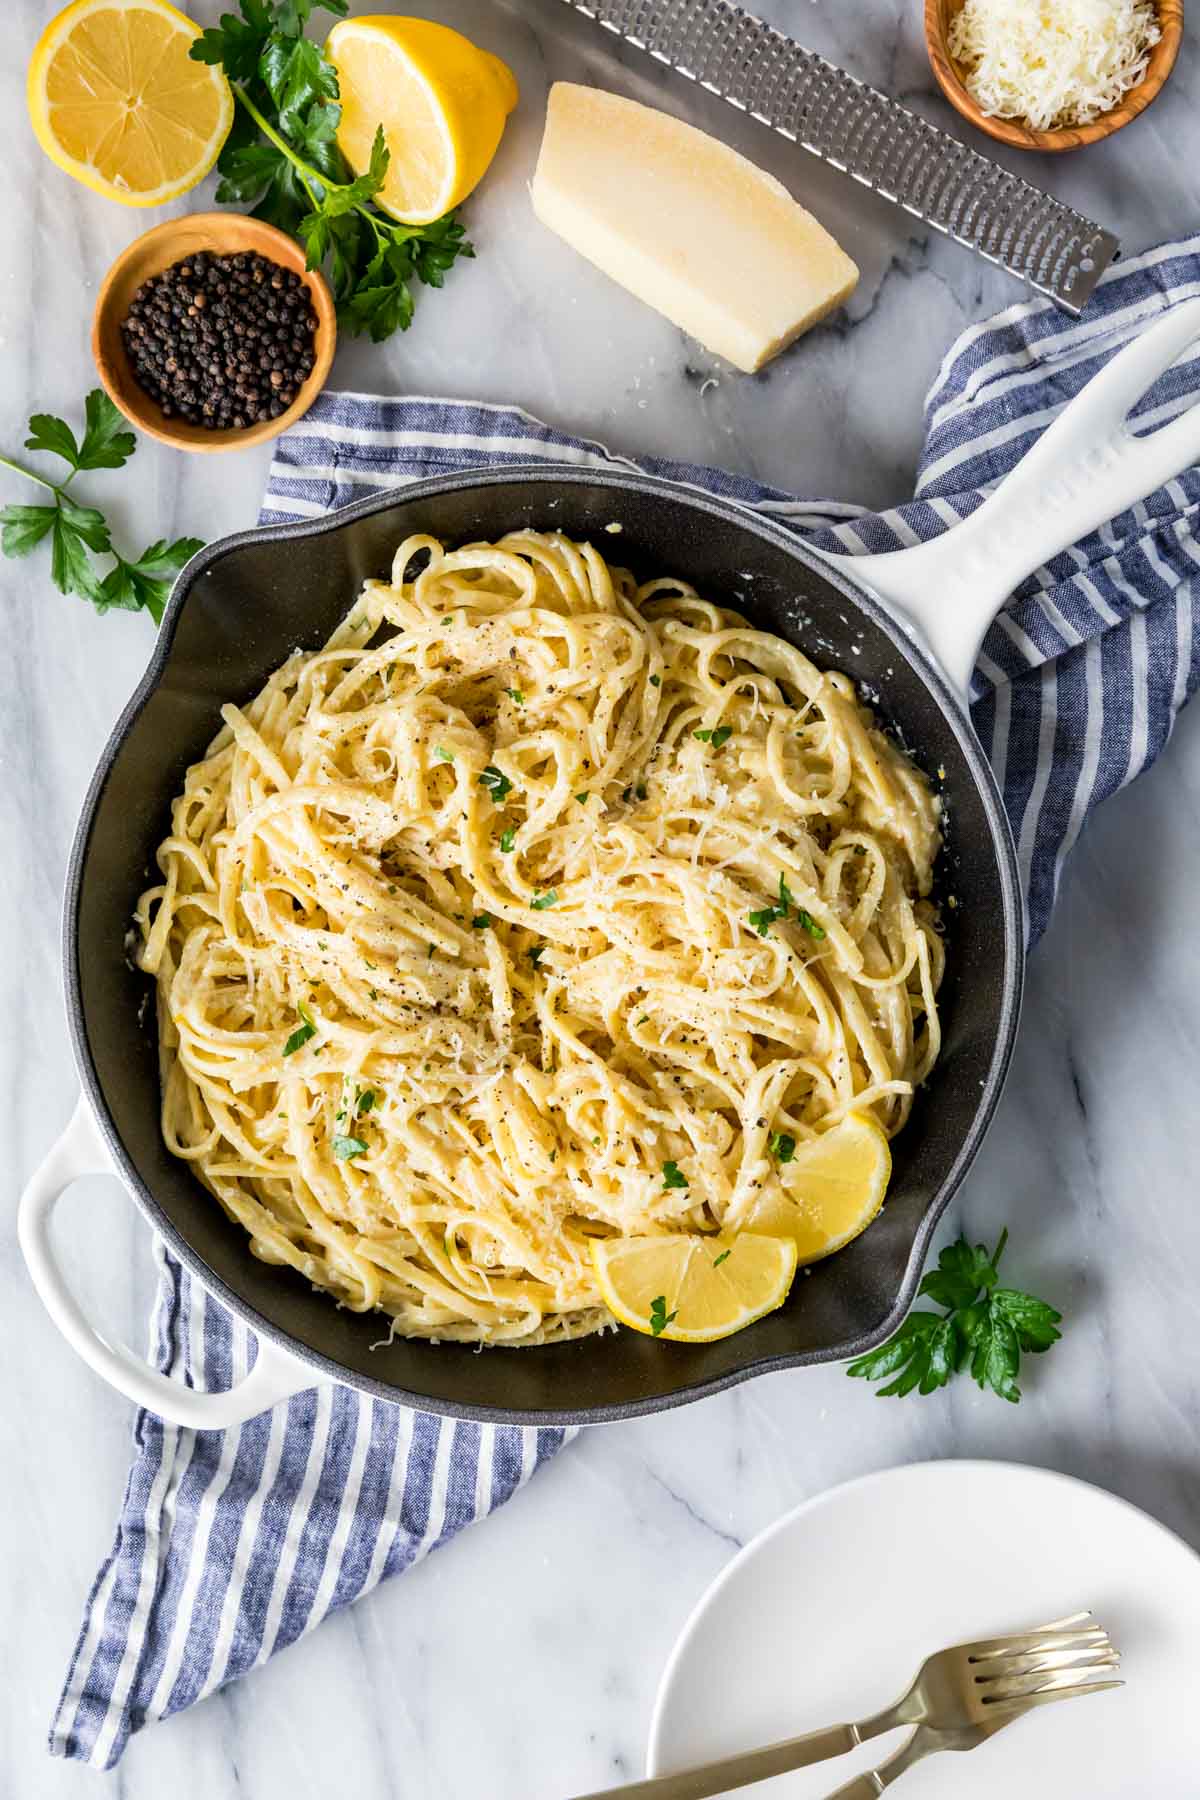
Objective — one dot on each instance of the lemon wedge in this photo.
(441, 100)
(116, 101)
(829, 1191)
(693, 1289)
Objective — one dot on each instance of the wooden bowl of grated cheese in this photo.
(1053, 76)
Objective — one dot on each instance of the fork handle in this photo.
(740, 1771)
(869, 1786)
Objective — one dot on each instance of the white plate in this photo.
(829, 1613)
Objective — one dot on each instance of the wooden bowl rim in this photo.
(1063, 137)
(223, 234)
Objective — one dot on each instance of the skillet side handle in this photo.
(275, 1376)
(1085, 469)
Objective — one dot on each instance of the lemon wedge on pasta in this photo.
(691, 1287)
(829, 1188)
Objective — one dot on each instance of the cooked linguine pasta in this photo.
(533, 906)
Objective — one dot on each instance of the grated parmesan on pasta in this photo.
(1052, 62)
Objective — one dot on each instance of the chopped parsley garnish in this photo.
(721, 734)
(656, 681)
(583, 798)
(640, 790)
(344, 1148)
(481, 921)
(516, 696)
(497, 783)
(442, 754)
(536, 953)
(673, 1176)
(540, 902)
(508, 839)
(782, 1146)
(645, 1019)
(366, 1100)
(982, 1326)
(717, 1261)
(302, 1032)
(660, 1318)
(765, 917)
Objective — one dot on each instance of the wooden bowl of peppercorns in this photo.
(210, 333)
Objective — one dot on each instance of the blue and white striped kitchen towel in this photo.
(233, 1544)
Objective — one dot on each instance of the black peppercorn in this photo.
(221, 340)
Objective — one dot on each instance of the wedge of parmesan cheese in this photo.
(686, 224)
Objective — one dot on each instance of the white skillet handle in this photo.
(275, 1376)
(1085, 469)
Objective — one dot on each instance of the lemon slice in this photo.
(693, 1289)
(116, 101)
(442, 103)
(830, 1190)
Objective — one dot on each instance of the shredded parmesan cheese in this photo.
(1052, 62)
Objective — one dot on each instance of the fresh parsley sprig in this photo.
(281, 158)
(78, 533)
(982, 1326)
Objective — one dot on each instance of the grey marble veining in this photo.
(503, 1667)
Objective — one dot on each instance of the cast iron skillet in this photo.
(238, 610)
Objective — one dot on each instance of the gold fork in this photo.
(957, 1700)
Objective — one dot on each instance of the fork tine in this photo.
(1048, 1661)
(1027, 1687)
(1005, 1709)
(1037, 1641)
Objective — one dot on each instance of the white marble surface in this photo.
(504, 1667)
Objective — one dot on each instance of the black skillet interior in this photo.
(242, 607)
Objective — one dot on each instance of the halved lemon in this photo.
(693, 1289)
(116, 101)
(442, 102)
(830, 1190)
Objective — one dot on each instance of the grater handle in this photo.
(1084, 469)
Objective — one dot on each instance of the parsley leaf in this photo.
(25, 527)
(583, 798)
(442, 754)
(481, 921)
(365, 1100)
(718, 1260)
(540, 902)
(344, 1148)
(496, 782)
(305, 1030)
(983, 1326)
(108, 442)
(147, 582)
(782, 1146)
(235, 43)
(536, 953)
(765, 917)
(76, 532)
(673, 1176)
(508, 839)
(660, 1318)
(516, 696)
(55, 436)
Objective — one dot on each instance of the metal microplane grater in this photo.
(876, 140)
